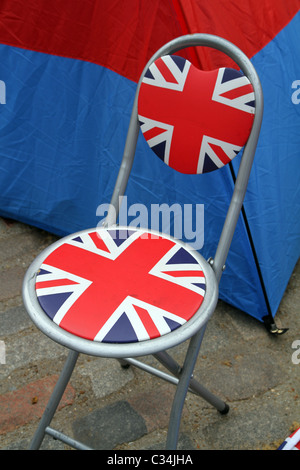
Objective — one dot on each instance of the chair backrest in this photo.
(195, 121)
(231, 99)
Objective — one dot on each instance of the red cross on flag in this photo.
(195, 121)
(119, 286)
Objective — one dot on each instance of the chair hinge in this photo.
(211, 262)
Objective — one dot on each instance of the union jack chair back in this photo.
(123, 292)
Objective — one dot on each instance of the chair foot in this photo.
(225, 411)
(124, 364)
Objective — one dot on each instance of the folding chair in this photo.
(163, 292)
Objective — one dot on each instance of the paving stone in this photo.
(108, 427)
(154, 406)
(28, 403)
(239, 361)
(8, 227)
(48, 444)
(240, 374)
(106, 375)
(184, 443)
(21, 351)
(3, 226)
(248, 427)
(11, 281)
(15, 247)
(14, 320)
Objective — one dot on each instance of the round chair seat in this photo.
(117, 286)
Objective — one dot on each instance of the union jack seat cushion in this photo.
(292, 442)
(120, 285)
(195, 121)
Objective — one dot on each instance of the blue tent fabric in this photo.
(58, 142)
(62, 132)
(273, 198)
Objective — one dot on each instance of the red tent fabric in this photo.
(123, 35)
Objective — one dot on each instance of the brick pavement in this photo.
(27, 404)
(112, 408)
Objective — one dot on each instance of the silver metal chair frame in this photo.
(193, 329)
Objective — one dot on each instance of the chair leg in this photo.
(215, 401)
(194, 386)
(182, 389)
(124, 364)
(54, 399)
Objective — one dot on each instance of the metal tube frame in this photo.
(182, 377)
(248, 155)
(55, 398)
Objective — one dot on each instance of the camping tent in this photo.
(68, 74)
